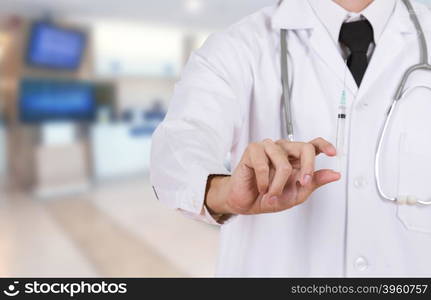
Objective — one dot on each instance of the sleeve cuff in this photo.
(192, 201)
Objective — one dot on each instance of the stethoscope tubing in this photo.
(423, 65)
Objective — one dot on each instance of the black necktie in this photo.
(357, 36)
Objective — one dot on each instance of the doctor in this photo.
(301, 208)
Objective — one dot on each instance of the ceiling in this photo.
(205, 13)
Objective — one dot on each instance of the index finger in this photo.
(323, 146)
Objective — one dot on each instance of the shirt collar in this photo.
(299, 14)
(333, 15)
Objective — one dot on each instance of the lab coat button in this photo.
(361, 264)
(360, 182)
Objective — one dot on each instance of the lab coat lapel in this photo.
(322, 44)
(298, 15)
(389, 48)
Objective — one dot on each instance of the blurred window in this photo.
(131, 49)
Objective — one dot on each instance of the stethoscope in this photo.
(422, 65)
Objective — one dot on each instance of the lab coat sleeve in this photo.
(204, 117)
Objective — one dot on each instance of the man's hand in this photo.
(271, 177)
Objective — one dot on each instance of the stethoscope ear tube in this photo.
(379, 153)
(423, 65)
(402, 199)
(424, 60)
(286, 92)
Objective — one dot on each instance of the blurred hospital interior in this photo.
(83, 85)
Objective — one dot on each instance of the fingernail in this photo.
(336, 173)
(306, 180)
(272, 200)
(331, 149)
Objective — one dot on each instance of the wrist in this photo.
(217, 195)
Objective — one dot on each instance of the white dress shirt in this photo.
(333, 16)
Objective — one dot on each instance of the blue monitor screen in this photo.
(43, 100)
(55, 47)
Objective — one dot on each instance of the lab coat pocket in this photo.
(415, 180)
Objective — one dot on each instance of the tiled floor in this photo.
(116, 230)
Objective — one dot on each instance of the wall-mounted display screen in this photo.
(42, 100)
(55, 47)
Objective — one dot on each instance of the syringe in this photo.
(341, 130)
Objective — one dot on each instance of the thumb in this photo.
(322, 177)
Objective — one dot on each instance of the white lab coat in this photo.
(230, 95)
